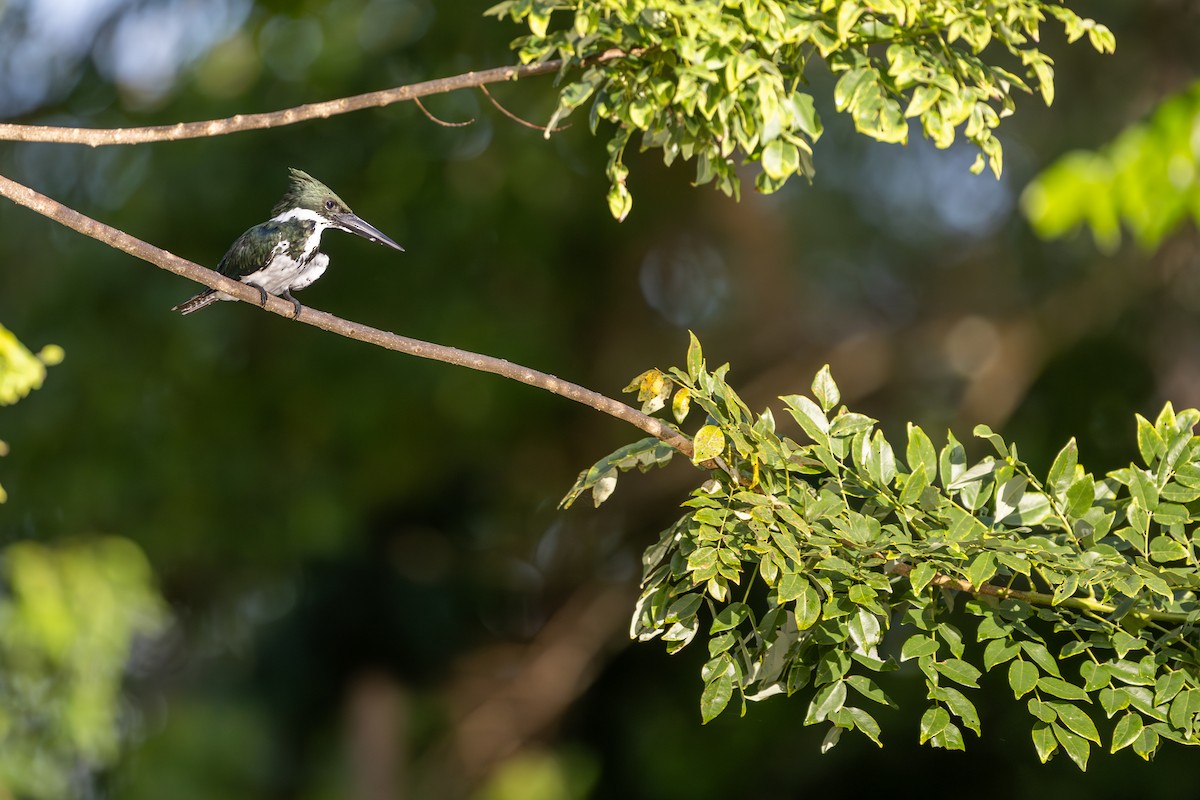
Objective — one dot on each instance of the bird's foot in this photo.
(287, 295)
(262, 293)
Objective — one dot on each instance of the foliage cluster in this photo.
(821, 567)
(20, 373)
(1147, 178)
(68, 618)
(720, 79)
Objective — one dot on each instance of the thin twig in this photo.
(23, 195)
(1082, 604)
(517, 119)
(96, 137)
(441, 122)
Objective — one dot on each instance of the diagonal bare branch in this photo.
(23, 195)
(97, 137)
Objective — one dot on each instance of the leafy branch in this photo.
(20, 373)
(720, 82)
(849, 560)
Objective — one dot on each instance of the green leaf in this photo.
(601, 478)
(959, 671)
(845, 425)
(1171, 514)
(721, 643)
(1146, 743)
(1022, 677)
(985, 432)
(981, 568)
(933, 722)
(1080, 496)
(832, 736)
(921, 575)
(1009, 494)
(709, 444)
(729, 617)
(882, 463)
(825, 390)
(949, 739)
(917, 646)
(1060, 688)
(848, 14)
(864, 630)
(1168, 686)
(1150, 444)
(683, 608)
(851, 85)
(703, 559)
(1062, 471)
(791, 586)
(827, 700)
(990, 627)
(806, 115)
(914, 485)
(808, 607)
(859, 719)
(681, 404)
(620, 201)
(997, 652)
(959, 705)
(780, 160)
(1041, 656)
(1143, 489)
(811, 418)
(981, 470)
(952, 637)
(1094, 676)
(923, 99)
(1128, 671)
(1164, 549)
(695, 358)
(1065, 589)
(870, 690)
(1075, 719)
(1044, 741)
(715, 696)
(920, 452)
(952, 462)
(1075, 746)
(1041, 710)
(1126, 732)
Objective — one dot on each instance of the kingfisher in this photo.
(280, 256)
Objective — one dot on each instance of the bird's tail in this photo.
(198, 302)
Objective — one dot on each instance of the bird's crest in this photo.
(305, 191)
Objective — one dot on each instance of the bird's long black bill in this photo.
(355, 224)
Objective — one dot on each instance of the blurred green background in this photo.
(369, 590)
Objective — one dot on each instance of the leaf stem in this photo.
(1083, 604)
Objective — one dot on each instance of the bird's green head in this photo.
(307, 194)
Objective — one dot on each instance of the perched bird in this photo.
(280, 256)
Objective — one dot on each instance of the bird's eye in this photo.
(329, 205)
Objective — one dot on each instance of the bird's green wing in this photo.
(251, 252)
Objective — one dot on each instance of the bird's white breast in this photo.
(286, 271)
